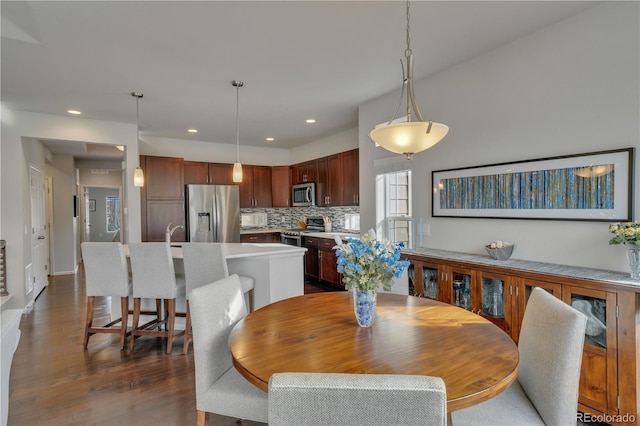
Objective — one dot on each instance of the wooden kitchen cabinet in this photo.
(255, 188)
(427, 279)
(196, 172)
(328, 265)
(350, 178)
(281, 186)
(221, 174)
(598, 384)
(311, 258)
(610, 360)
(260, 237)
(304, 172)
(162, 197)
(329, 181)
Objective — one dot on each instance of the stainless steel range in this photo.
(293, 236)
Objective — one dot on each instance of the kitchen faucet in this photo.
(169, 232)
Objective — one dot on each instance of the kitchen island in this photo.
(278, 271)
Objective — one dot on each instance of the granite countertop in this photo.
(259, 230)
(612, 277)
(332, 235)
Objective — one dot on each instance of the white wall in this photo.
(570, 88)
(19, 147)
(342, 141)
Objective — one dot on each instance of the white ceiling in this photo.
(298, 59)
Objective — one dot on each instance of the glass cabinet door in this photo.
(599, 356)
(492, 290)
(494, 299)
(430, 284)
(462, 288)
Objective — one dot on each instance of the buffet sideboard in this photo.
(499, 290)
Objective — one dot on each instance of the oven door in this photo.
(291, 240)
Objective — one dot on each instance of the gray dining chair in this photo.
(220, 389)
(107, 274)
(356, 399)
(154, 277)
(205, 263)
(546, 391)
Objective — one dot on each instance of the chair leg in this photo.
(171, 320)
(124, 307)
(187, 331)
(89, 319)
(201, 418)
(136, 319)
(250, 294)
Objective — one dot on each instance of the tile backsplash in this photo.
(285, 217)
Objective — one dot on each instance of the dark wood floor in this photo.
(55, 382)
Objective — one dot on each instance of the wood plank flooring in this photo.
(55, 382)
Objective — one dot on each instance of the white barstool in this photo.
(106, 274)
(154, 278)
(205, 263)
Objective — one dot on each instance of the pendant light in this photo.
(408, 137)
(138, 175)
(237, 166)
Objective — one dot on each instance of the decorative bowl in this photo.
(502, 253)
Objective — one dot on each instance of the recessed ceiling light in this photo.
(120, 147)
(192, 130)
(74, 112)
(311, 120)
(270, 139)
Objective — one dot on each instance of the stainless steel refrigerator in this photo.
(213, 213)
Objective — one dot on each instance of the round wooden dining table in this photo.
(410, 335)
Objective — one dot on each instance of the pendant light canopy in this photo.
(408, 137)
(138, 175)
(237, 166)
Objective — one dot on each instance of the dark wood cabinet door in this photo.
(351, 178)
(262, 186)
(281, 186)
(334, 165)
(246, 187)
(163, 178)
(221, 174)
(196, 172)
(311, 258)
(159, 215)
(322, 182)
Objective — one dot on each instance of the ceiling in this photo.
(298, 59)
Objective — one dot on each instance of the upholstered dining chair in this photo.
(546, 391)
(107, 274)
(356, 399)
(220, 389)
(205, 263)
(154, 277)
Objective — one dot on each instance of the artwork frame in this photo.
(92, 205)
(595, 186)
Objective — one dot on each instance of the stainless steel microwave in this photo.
(303, 194)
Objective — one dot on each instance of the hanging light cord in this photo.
(238, 84)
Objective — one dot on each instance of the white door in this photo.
(38, 231)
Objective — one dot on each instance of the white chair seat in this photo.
(511, 407)
(223, 396)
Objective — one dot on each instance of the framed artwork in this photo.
(92, 205)
(595, 186)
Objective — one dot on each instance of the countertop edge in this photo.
(613, 277)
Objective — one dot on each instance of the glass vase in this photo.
(633, 256)
(364, 306)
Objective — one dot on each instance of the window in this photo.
(113, 214)
(393, 206)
